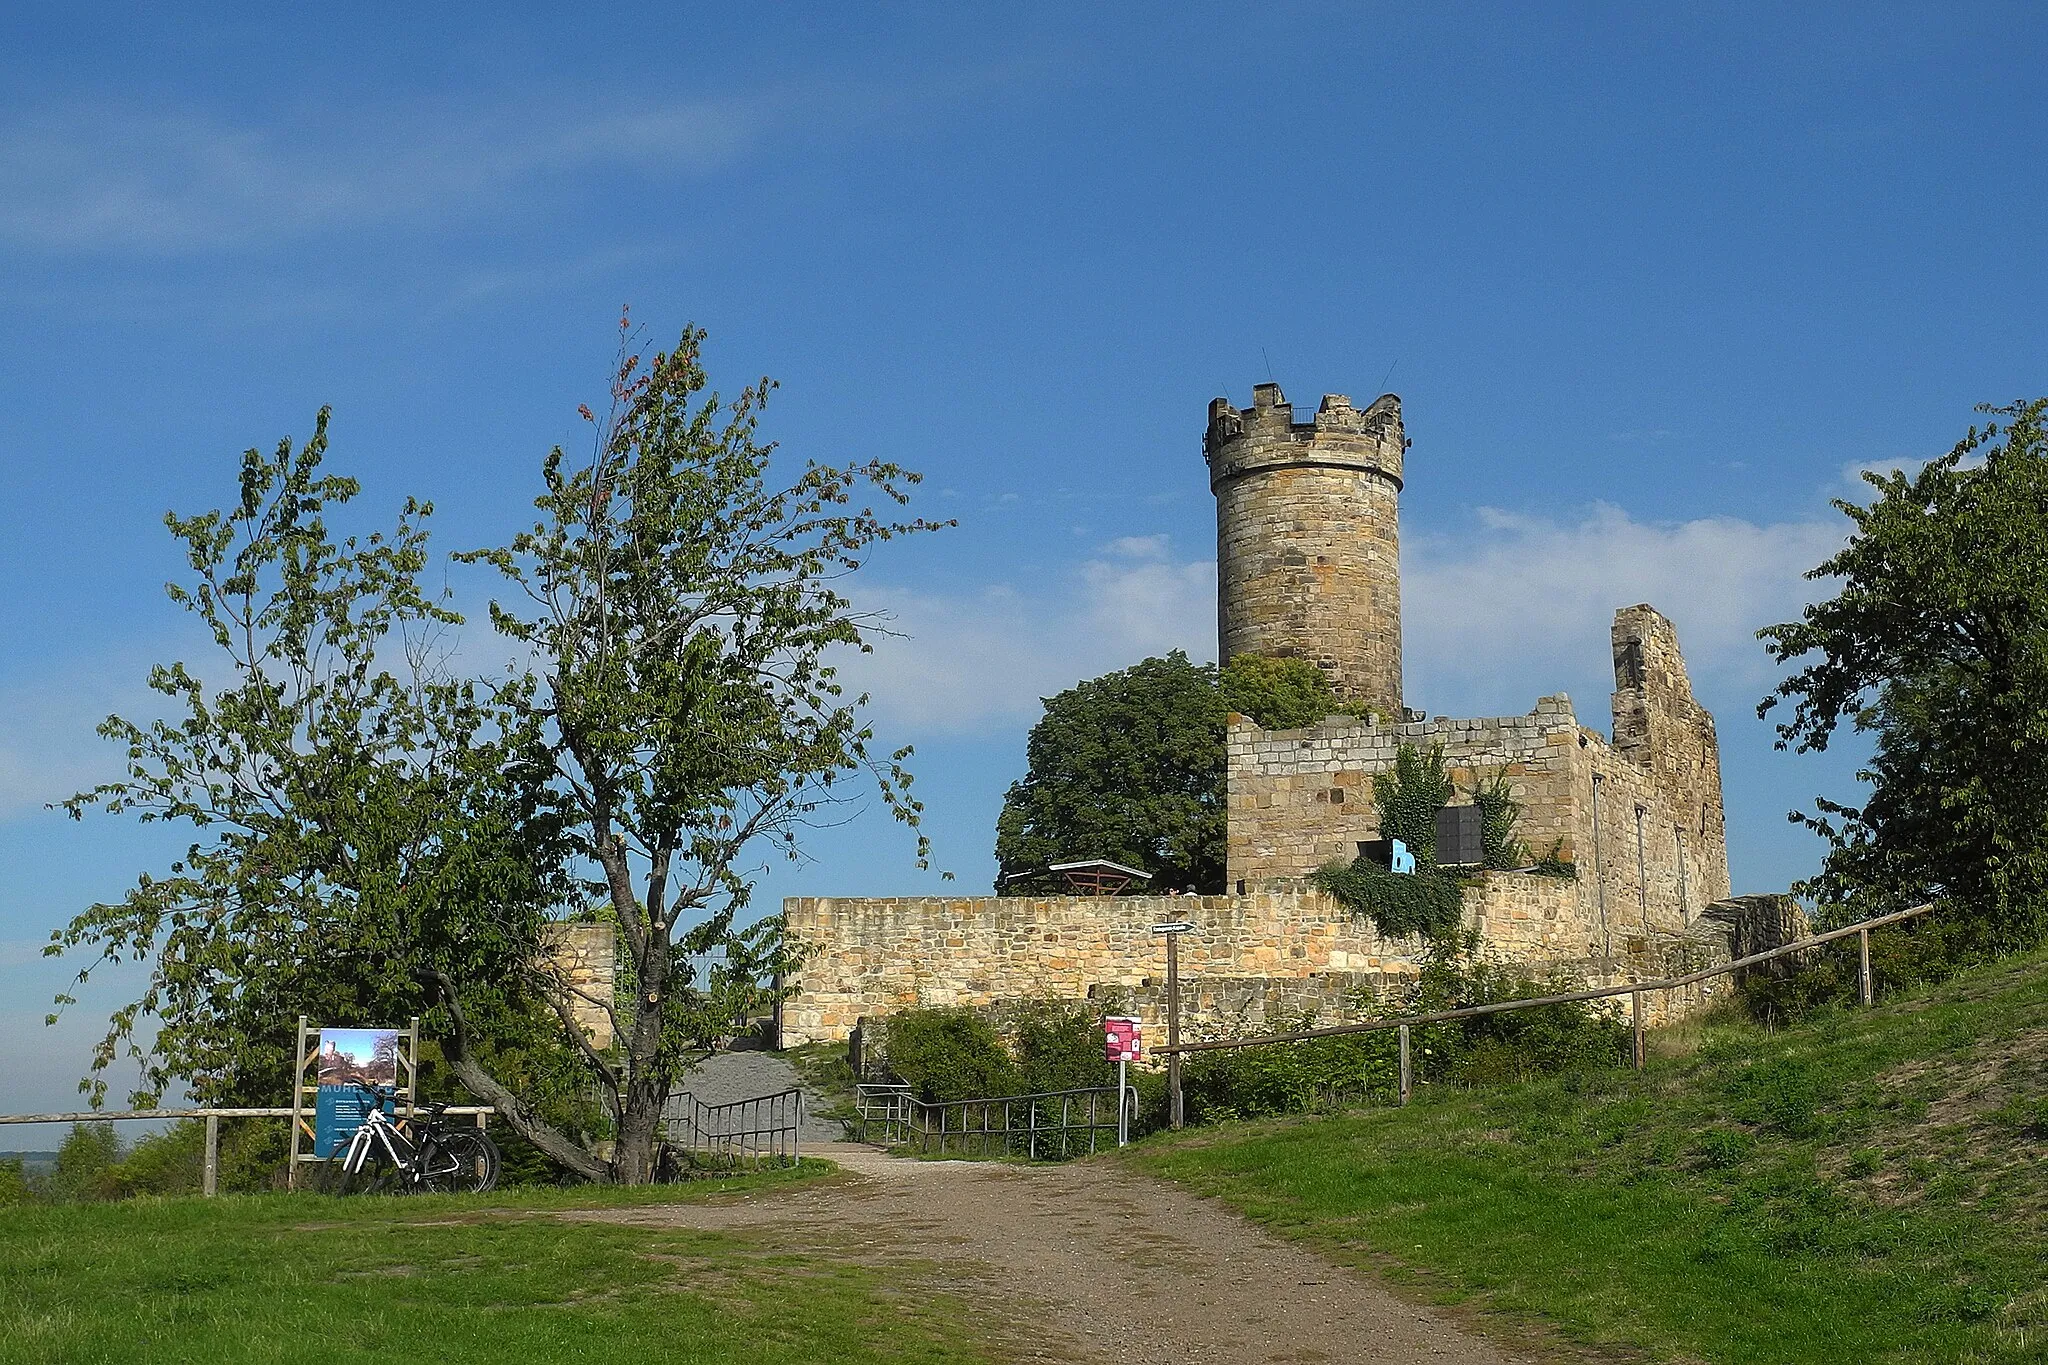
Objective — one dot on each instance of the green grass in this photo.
(488, 1278)
(1866, 1186)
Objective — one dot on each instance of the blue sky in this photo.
(1651, 283)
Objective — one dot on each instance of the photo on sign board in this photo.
(365, 1055)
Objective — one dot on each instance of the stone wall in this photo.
(1641, 817)
(1274, 955)
(582, 965)
(1307, 538)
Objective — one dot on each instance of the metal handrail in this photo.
(928, 1125)
(736, 1130)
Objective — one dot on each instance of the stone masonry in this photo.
(581, 964)
(1640, 817)
(1278, 954)
(1307, 546)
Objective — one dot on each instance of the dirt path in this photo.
(1089, 1262)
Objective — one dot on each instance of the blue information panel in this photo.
(350, 1058)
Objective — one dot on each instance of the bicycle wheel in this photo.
(377, 1175)
(467, 1162)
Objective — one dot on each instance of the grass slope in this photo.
(490, 1278)
(1867, 1186)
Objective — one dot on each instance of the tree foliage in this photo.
(1129, 767)
(680, 606)
(1277, 694)
(355, 812)
(365, 822)
(1935, 646)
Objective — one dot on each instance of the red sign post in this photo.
(1123, 1042)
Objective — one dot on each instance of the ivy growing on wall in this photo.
(1408, 797)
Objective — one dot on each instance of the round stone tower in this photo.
(1307, 553)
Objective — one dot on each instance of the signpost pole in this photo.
(1175, 1112)
(1173, 1102)
(1123, 1123)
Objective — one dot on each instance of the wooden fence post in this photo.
(1863, 977)
(1635, 1000)
(209, 1178)
(1406, 1081)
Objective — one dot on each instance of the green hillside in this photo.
(1864, 1186)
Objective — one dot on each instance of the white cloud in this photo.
(1515, 605)
(970, 662)
(1138, 547)
(103, 177)
(1497, 613)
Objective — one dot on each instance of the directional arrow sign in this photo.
(1177, 927)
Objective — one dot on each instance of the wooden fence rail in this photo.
(209, 1179)
(1634, 989)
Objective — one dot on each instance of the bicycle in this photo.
(422, 1155)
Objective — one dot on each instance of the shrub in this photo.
(1409, 795)
(1325, 1072)
(86, 1161)
(1917, 952)
(14, 1186)
(950, 1054)
(1059, 1047)
(169, 1162)
(1554, 864)
(1498, 814)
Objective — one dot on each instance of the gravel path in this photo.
(728, 1076)
(1090, 1262)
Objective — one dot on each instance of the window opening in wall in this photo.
(1684, 899)
(1642, 870)
(1600, 876)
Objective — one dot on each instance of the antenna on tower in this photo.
(1390, 374)
(1269, 365)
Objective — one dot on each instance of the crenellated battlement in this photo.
(1266, 436)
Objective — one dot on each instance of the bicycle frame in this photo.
(378, 1130)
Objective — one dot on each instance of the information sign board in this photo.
(349, 1059)
(1122, 1039)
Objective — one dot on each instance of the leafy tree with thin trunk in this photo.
(680, 608)
(1935, 646)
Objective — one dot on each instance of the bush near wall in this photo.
(1327, 1073)
(1019, 1048)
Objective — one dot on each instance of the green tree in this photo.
(1935, 646)
(365, 821)
(680, 607)
(355, 812)
(86, 1162)
(1277, 694)
(14, 1184)
(1129, 767)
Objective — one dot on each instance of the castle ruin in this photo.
(1308, 566)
